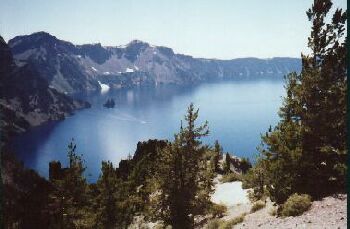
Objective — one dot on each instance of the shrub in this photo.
(222, 224)
(257, 206)
(230, 223)
(255, 179)
(245, 183)
(273, 211)
(218, 210)
(231, 177)
(245, 165)
(296, 204)
(213, 224)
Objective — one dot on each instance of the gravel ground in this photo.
(329, 213)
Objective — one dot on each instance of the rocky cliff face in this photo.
(73, 68)
(55, 61)
(26, 98)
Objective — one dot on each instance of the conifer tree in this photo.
(323, 101)
(282, 148)
(180, 169)
(306, 151)
(71, 193)
(106, 200)
(245, 165)
(218, 152)
(206, 186)
(227, 163)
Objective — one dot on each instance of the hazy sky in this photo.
(220, 29)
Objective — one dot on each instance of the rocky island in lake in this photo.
(109, 103)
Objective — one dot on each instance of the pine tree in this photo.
(282, 147)
(217, 156)
(227, 164)
(71, 194)
(306, 151)
(179, 176)
(205, 185)
(106, 200)
(245, 165)
(255, 178)
(323, 102)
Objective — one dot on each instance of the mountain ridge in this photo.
(73, 68)
(146, 43)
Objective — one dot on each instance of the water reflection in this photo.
(237, 113)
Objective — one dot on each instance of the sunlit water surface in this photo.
(238, 112)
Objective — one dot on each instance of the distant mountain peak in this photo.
(37, 36)
(136, 41)
(42, 33)
(133, 43)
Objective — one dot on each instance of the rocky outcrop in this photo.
(26, 99)
(55, 61)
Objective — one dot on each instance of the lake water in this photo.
(237, 112)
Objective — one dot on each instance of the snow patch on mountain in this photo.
(104, 87)
(129, 70)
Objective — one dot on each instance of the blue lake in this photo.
(237, 112)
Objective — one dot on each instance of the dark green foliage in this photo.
(184, 177)
(245, 165)
(217, 156)
(121, 193)
(306, 151)
(227, 164)
(296, 205)
(282, 160)
(323, 99)
(206, 175)
(24, 195)
(185, 181)
(255, 178)
(106, 197)
(70, 196)
(144, 160)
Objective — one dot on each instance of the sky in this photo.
(222, 29)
